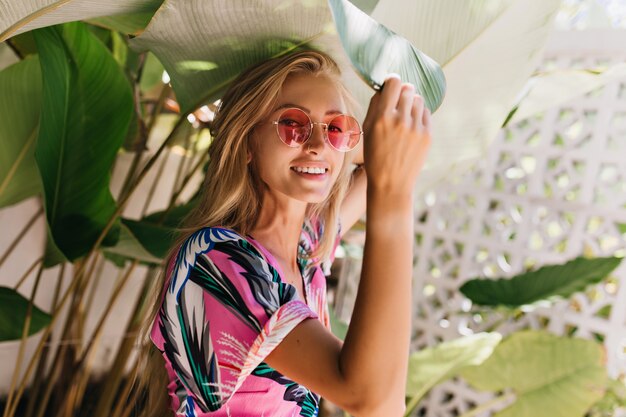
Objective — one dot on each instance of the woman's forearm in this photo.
(374, 357)
(354, 203)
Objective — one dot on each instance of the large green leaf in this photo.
(542, 284)
(488, 50)
(17, 16)
(52, 255)
(172, 218)
(13, 308)
(156, 239)
(88, 104)
(129, 247)
(375, 51)
(20, 105)
(157, 232)
(204, 46)
(430, 366)
(551, 376)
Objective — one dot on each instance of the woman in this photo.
(243, 321)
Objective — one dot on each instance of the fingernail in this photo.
(392, 75)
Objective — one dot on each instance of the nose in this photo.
(316, 142)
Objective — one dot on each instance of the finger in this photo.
(426, 118)
(417, 110)
(373, 107)
(405, 103)
(390, 93)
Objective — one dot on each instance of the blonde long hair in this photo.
(232, 191)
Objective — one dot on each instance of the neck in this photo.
(279, 226)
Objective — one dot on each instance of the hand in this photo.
(397, 137)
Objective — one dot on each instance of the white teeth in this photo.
(310, 170)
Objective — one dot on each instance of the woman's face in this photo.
(278, 164)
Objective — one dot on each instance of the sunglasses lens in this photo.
(294, 127)
(344, 133)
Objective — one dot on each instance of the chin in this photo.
(311, 198)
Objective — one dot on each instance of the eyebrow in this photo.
(288, 105)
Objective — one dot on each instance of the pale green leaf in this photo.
(430, 366)
(204, 46)
(20, 106)
(488, 50)
(375, 51)
(17, 16)
(228, 38)
(131, 24)
(551, 376)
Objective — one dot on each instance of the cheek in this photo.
(339, 161)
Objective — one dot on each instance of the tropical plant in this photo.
(536, 373)
(67, 152)
(545, 374)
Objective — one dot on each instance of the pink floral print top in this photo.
(224, 310)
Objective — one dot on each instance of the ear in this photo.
(248, 157)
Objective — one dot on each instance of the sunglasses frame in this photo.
(325, 129)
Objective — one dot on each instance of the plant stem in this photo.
(124, 394)
(10, 408)
(181, 164)
(165, 92)
(153, 187)
(413, 402)
(488, 405)
(49, 387)
(185, 180)
(20, 235)
(35, 397)
(116, 292)
(10, 411)
(76, 377)
(22, 348)
(27, 273)
(107, 395)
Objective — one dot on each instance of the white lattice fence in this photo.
(550, 188)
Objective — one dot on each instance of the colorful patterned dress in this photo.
(224, 310)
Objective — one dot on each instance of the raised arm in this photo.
(366, 375)
(355, 201)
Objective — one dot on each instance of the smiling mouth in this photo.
(310, 170)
